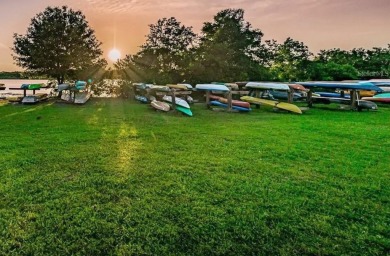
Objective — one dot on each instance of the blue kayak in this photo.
(80, 85)
(220, 104)
(284, 95)
(337, 85)
(333, 95)
(141, 98)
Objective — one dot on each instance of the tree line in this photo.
(59, 43)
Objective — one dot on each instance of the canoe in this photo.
(238, 103)
(328, 100)
(159, 105)
(81, 85)
(141, 98)
(333, 95)
(30, 99)
(62, 87)
(178, 101)
(297, 87)
(82, 97)
(284, 95)
(282, 105)
(232, 86)
(363, 104)
(382, 95)
(214, 97)
(161, 88)
(267, 86)
(338, 85)
(385, 89)
(34, 86)
(220, 104)
(187, 85)
(212, 87)
(380, 100)
(184, 110)
(177, 86)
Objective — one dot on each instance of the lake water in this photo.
(16, 83)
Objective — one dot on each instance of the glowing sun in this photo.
(114, 55)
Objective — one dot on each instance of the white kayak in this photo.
(267, 86)
(212, 87)
(82, 97)
(178, 101)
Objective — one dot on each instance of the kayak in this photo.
(178, 101)
(212, 87)
(220, 104)
(235, 102)
(159, 105)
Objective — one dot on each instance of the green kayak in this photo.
(34, 86)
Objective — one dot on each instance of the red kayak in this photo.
(237, 103)
(214, 97)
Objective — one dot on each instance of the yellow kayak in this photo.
(281, 105)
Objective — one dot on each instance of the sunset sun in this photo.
(114, 55)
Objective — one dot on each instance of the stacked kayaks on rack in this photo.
(181, 105)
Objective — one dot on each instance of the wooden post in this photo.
(208, 99)
(173, 99)
(309, 98)
(230, 105)
(354, 96)
(24, 92)
(290, 96)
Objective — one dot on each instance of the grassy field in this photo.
(117, 178)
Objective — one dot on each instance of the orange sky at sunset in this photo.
(320, 24)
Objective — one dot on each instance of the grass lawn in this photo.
(115, 177)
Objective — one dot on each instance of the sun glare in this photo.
(114, 55)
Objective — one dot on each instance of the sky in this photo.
(123, 24)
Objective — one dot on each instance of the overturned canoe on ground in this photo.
(159, 105)
(82, 97)
(62, 87)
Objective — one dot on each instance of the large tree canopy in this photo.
(163, 57)
(59, 43)
(229, 50)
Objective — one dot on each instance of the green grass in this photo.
(117, 178)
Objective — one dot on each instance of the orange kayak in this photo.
(237, 103)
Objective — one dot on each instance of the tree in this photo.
(162, 59)
(60, 44)
(229, 50)
(289, 60)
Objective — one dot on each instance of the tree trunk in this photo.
(60, 80)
